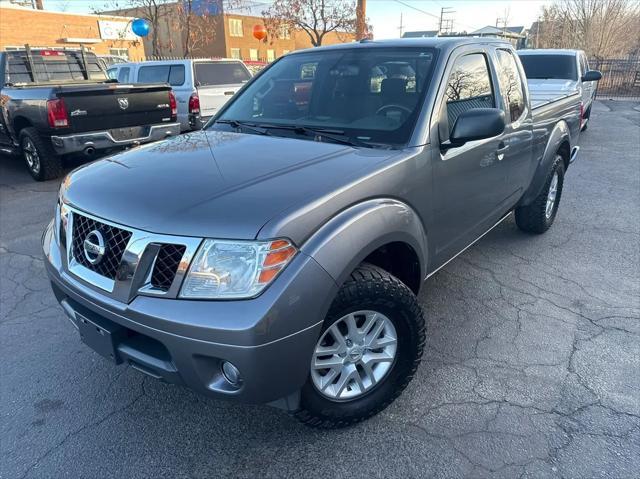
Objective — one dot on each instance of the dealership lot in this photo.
(531, 367)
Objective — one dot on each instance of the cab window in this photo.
(123, 75)
(510, 84)
(468, 87)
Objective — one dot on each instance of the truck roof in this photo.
(441, 43)
(548, 51)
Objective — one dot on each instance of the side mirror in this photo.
(477, 124)
(592, 75)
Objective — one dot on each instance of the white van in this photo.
(201, 86)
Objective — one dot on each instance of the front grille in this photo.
(167, 261)
(116, 241)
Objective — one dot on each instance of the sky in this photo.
(384, 15)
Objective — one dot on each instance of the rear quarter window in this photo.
(171, 74)
(510, 84)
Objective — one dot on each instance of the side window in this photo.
(584, 65)
(468, 87)
(112, 73)
(510, 84)
(123, 75)
(153, 74)
(176, 75)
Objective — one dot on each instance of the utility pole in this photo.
(361, 19)
(401, 27)
(445, 11)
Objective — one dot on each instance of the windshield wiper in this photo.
(248, 126)
(337, 136)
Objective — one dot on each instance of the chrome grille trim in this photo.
(134, 273)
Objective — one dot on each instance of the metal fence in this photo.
(620, 78)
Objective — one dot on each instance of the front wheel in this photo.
(540, 214)
(368, 351)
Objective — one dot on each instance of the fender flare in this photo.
(343, 242)
(559, 135)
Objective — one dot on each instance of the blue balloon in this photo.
(140, 27)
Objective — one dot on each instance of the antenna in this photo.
(445, 27)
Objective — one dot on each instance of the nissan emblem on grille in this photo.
(124, 103)
(94, 247)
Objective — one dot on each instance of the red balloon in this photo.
(259, 32)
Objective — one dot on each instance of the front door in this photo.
(470, 181)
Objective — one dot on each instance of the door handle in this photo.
(501, 149)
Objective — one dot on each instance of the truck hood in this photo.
(214, 184)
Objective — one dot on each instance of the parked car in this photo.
(202, 87)
(552, 72)
(60, 102)
(108, 60)
(276, 256)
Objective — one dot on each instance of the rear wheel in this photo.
(368, 351)
(42, 161)
(540, 214)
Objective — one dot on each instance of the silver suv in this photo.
(201, 87)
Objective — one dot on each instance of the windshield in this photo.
(372, 95)
(560, 67)
(220, 73)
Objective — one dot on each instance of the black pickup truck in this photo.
(59, 102)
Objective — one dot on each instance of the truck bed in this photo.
(542, 92)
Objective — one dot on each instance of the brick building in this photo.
(230, 35)
(102, 34)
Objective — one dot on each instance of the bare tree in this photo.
(198, 23)
(603, 28)
(316, 18)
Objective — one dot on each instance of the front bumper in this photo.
(269, 338)
(103, 140)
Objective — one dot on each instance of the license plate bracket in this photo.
(101, 336)
(129, 133)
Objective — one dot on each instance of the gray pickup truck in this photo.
(55, 103)
(276, 256)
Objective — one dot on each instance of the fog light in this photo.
(231, 373)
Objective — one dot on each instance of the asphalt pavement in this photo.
(532, 363)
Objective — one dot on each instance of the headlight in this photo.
(235, 269)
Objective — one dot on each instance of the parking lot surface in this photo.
(531, 369)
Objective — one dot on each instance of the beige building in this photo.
(102, 34)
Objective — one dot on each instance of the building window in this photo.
(284, 32)
(235, 27)
(235, 53)
(253, 54)
(271, 55)
(119, 52)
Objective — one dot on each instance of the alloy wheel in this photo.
(354, 355)
(551, 196)
(31, 155)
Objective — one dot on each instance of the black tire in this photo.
(47, 164)
(533, 218)
(370, 288)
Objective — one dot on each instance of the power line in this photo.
(417, 9)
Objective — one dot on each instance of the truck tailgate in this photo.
(113, 106)
(212, 98)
